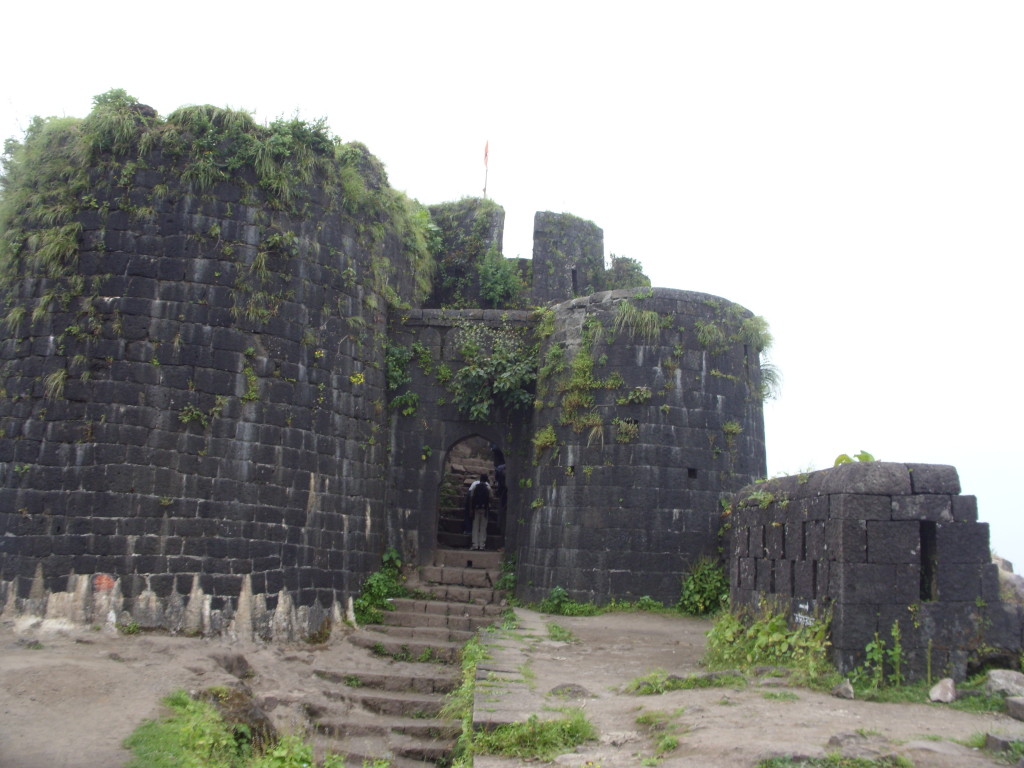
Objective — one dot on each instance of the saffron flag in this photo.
(487, 145)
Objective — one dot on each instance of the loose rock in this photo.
(844, 690)
(944, 691)
(1005, 681)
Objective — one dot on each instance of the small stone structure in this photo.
(875, 545)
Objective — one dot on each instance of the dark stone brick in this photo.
(862, 583)
(849, 506)
(934, 508)
(962, 543)
(846, 540)
(965, 509)
(893, 542)
(764, 580)
(854, 626)
(747, 570)
(959, 582)
(814, 540)
(804, 573)
(775, 541)
(934, 478)
(872, 477)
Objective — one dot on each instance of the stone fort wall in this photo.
(197, 430)
(648, 410)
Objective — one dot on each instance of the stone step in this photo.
(461, 575)
(406, 649)
(463, 540)
(427, 750)
(460, 594)
(454, 525)
(445, 608)
(427, 679)
(463, 558)
(365, 724)
(426, 634)
(395, 703)
(360, 751)
(419, 619)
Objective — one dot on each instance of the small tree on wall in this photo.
(500, 369)
(625, 272)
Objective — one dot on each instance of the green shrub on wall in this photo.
(499, 370)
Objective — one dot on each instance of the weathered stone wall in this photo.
(568, 257)
(206, 416)
(648, 409)
(873, 544)
(197, 430)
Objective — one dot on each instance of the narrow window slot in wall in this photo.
(691, 472)
(928, 561)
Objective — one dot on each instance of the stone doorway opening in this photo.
(467, 459)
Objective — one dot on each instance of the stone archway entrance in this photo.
(467, 459)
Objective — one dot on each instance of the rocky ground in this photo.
(70, 695)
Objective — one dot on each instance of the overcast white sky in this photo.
(854, 172)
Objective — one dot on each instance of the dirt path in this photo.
(69, 696)
(726, 727)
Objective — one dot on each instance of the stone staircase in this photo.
(390, 706)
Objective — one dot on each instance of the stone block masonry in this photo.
(197, 414)
(873, 546)
(203, 427)
(648, 410)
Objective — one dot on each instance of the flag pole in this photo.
(486, 148)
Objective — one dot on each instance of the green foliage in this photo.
(626, 430)
(378, 588)
(252, 385)
(406, 403)
(466, 254)
(771, 379)
(458, 704)
(507, 579)
(498, 372)
(129, 628)
(559, 603)
(536, 739)
(554, 363)
(625, 272)
(193, 735)
(879, 657)
(53, 384)
(659, 681)
(746, 639)
(561, 634)
(501, 285)
(844, 458)
(397, 360)
(754, 333)
(65, 166)
(544, 322)
(635, 396)
(705, 589)
(640, 324)
(196, 734)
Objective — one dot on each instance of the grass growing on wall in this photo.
(62, 165)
